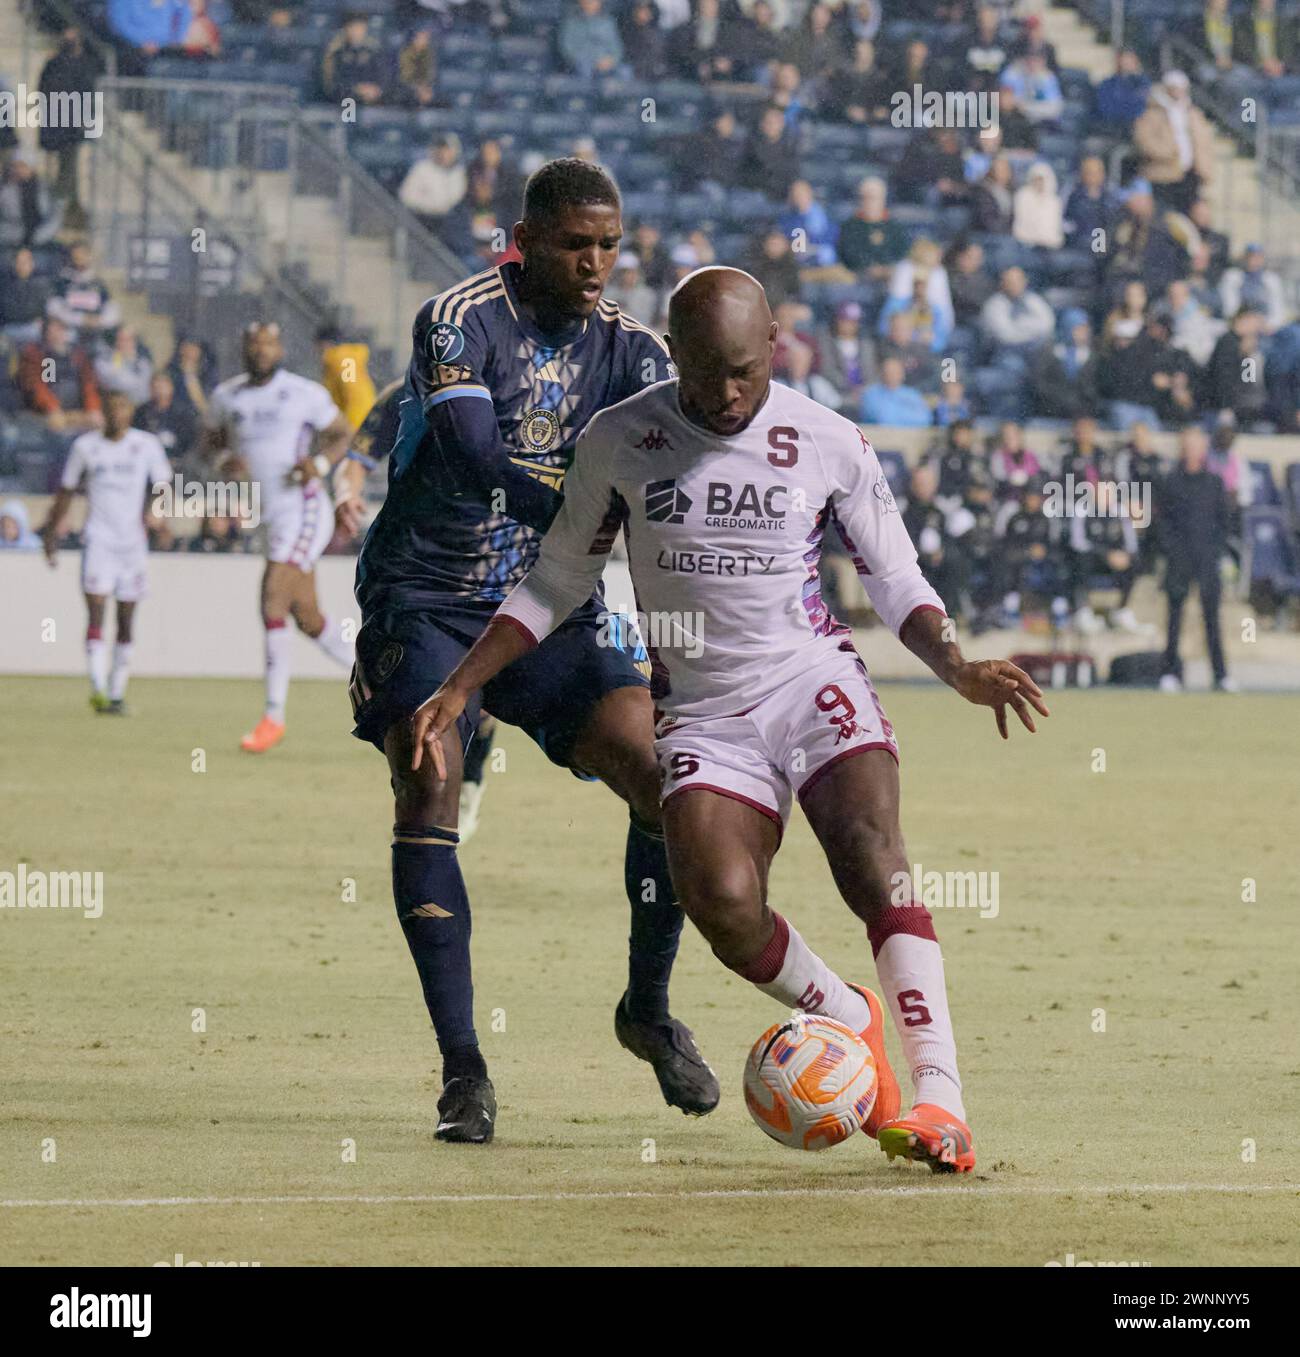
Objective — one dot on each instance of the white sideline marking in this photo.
(442, 1199)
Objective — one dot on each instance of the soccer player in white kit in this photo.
(118, 469)
(266, 419)
(724, 482)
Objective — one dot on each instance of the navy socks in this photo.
(656, 922)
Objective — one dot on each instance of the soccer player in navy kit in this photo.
(506, 370)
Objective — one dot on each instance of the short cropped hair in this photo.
(568, 182)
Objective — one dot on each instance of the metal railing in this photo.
(270, 162)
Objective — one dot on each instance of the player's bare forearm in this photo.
(53, 528)
(987, 683)
(500, 645)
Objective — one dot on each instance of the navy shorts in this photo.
(403, 657)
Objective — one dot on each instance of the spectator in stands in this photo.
(1103, 555)
(200, 36)
(1269, 41)
(656, 263)
(436, 182)
(956, 455)
(771, 159)
(848, 355)
(869, 242)
(970, 284)
(1011, 463)
(1033, 42)
(931, 170)
(1215, 242)
(924, 261)
(859, 93)
(890, 401)
(986, 51)
(174, 424)
(193, 370)
(1234, 378)
(927, 525)
(1175, 144)
(81, 298)
(417, 68)
(72, 70)
(913, 350)
(1137, 460)
(864, 18)
(15, 529)
(1014, 318)
(794, 319)
(629, 291)
(1284, 377)
(1191, 523)
(590, 42)
(149, 25)
(1125, 321)
(800, 377)
(354, 66)
(809, 226)
(1193, 328)
(57, 380)
(1130, 372)
(1036, 210)
(756, 42)
(1150, 245)
(786, 94)
(1033, 556)
(992, 204)
(23, 298)
(915, 66)
(1175, 375)
(1218, 33)
(1252, 283)
(684, 258)
(952, 404)
(1063, 376)
(492, 181)
(1035, 87)
(710, 161)
(1018, 131)
(29, 214)
(816, 47)
(701, 48)
(1084, 457)
(124, 365)
(644, 41)
(1092, 207)
(1121, 98)
(1227, 463)
(279, 14)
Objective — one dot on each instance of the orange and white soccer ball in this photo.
(810, 1082)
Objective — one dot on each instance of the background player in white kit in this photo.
(118, 470)
(266, 419)
(725, 482)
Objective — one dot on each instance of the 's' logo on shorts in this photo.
(665, 503)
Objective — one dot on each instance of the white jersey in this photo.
(724, 539)
(119, 475)
(270, 427)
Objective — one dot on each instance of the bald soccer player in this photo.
(727, 480)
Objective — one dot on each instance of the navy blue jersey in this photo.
(483, 431)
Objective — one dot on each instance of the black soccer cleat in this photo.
(467, 1111)
(667, 1045)
(113, 707)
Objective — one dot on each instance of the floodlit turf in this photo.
(1118, 891)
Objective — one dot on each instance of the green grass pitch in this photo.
(295, 1128)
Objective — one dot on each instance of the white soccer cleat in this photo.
(1170, 683)
(1087, 621)
(1124, 619)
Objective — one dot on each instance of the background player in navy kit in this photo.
(506, 370)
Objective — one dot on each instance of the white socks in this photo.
(279, 641)
(911, 976)
(791, 973)
(121, 670)
(332, 643)
(97, 662)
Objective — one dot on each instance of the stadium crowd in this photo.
(1054, 264)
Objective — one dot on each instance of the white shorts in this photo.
(778, 749)
(300, 526)
(117, 572)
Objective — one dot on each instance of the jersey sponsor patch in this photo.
(445, 341)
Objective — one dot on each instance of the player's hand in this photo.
(350, 516)
(437, 715)
(1000, 684)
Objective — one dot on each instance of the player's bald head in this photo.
(721, 335)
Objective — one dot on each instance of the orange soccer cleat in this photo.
(929, 1135)
(267, 735)
(888, 1103)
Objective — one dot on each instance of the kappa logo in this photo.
(654, 440)
(665, 503)
(885, 495)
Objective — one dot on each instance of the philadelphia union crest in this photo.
(540, 430)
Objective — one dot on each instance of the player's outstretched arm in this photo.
(53, 529)
(987, 683)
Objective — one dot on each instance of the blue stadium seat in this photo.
(1263, 488)
(1271, 552)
